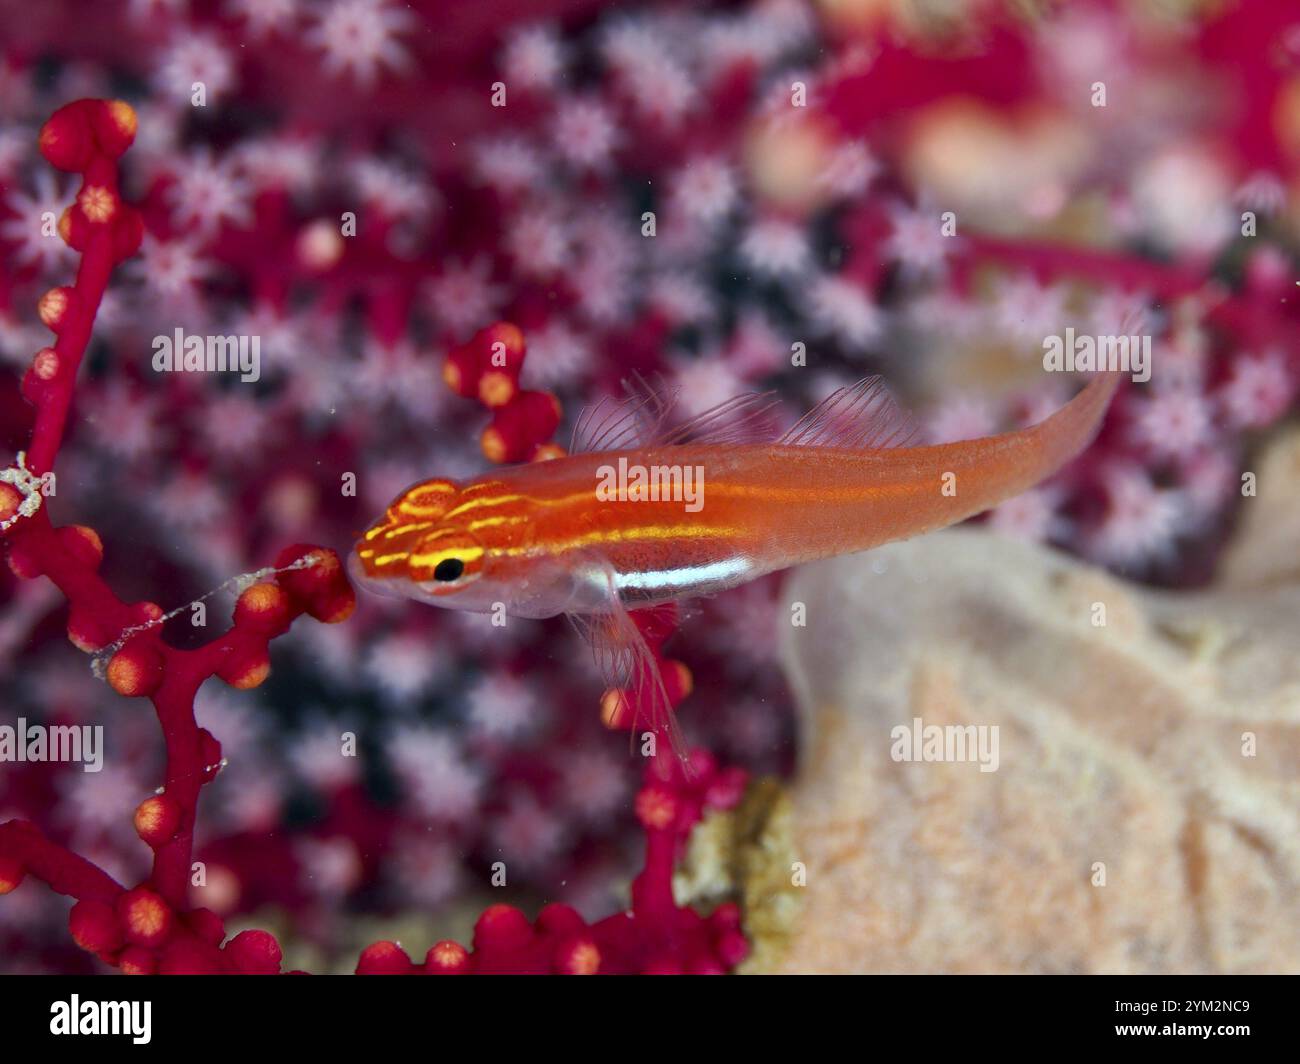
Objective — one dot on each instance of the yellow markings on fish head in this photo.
(386, 545)
(441, 559)
(493, 513)
(438, 534)
(445, 560)
(426, 501)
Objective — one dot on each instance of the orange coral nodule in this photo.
(97, 203)
(384, 958)
(248, 670)
(252, 677)
(656, 807)
(503, 348)
(45, 366)
(135, 671)
(461, 371)
(496, 388)
(145, 916)
(115, 126)
(451, 375)
(11, 874)
(446, 958)
(335, 609)
(615, 710)
(52, 307)
(494, 446)
(547, 452)
(320, 245)
(678, 680)
(579, 956)
(264, 607)
(520, 426)
(157, 819)
(95, 927)
(509, 334)
(83, 543)
(10, 499)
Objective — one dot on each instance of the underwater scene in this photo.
(567, 487)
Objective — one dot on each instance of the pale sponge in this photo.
(1144, 815)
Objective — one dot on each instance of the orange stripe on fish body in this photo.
(696, 508)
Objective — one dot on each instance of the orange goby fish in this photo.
(643, 512)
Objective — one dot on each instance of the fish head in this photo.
(461, 547)
(419, 549)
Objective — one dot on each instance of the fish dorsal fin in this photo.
(622, 424)
(747, 418)
(645, 419)
(859, 417)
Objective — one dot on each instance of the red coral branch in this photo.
(149, 927)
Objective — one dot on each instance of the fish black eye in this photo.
(449, 569)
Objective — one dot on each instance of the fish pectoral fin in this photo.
(627, 665)
(860, 417)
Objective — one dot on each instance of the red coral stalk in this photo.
(149, 927)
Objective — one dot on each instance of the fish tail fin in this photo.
(1012, 463)
(1065, 433)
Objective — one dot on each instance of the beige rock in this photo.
(1266, 548)
(1123, 751)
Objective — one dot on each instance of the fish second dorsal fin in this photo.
(859, 417)
(747, 418)
(624, 424)
(645, 419)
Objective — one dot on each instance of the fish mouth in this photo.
(376, 585)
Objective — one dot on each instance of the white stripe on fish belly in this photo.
(688, 578)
